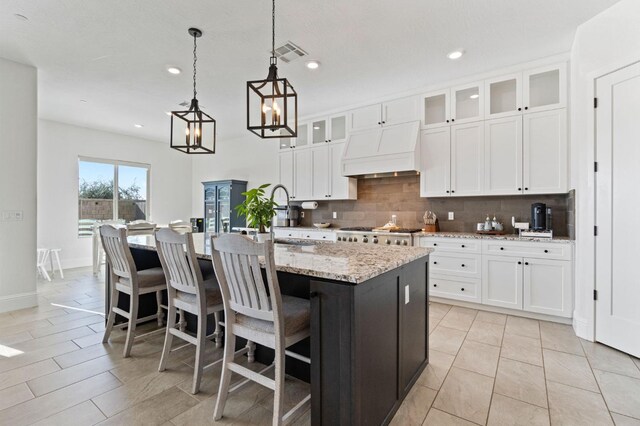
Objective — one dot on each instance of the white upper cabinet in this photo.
(545, 165)
(303, 136)
(385, 114)
(467, 159)
(302, 174)
(285, 175)
(364, 118)
(545, 88)
(319, 131)
(338, 128)
(400, 111)
(467, 103)
(503, 156)
(320, 178)
(435, 168)
(504, 96)
(341, 188)
(435, 109)
(534, 90)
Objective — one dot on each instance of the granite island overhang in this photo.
(369, 321)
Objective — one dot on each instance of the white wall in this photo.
(60, 145)
(608, 41)
(18, 136)
(248, 158)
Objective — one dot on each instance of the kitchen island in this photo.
(369, 322)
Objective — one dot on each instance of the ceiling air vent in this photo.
(289, 52)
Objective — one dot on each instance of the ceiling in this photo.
(114, 54)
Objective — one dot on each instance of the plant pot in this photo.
(261, 237)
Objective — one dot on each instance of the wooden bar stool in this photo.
(273, 320)
(127, 279)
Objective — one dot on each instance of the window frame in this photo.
(116, 192)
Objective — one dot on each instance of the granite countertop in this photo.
(306, 228)
(508, 237)
(351, 263)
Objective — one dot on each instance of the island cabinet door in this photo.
(413, 316)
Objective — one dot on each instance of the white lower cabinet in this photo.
(524, 275)
(502, 281)
(548, 287)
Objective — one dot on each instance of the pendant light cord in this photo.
(195, 59)
(273, 29)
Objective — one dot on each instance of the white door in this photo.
(285, 175)
(503, 156)
(365, 118)
(502, 281)
(545, 164)
(548, 287)
(618, 203)
(401, 111)
(435, 160)
(467, 159)
(320, 172)
(302, 173)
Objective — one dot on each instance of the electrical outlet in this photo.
(451, 216)
(6, 216)
(335, 215)
(302, 215)
(18, 215)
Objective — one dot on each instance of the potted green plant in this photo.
(258, 209)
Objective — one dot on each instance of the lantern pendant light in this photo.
(272, 103)
(193, 131)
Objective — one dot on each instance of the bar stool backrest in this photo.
(116, 248)
(181, 269)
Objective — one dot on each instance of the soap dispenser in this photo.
(487, 224)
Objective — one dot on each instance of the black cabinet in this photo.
(220, 199)
(368, 346)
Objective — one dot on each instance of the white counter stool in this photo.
(187, 291)
(54, 253)
(273, 320)
(180, 226)
(127, 279)
(41, 263)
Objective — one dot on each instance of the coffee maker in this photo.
(539, 217)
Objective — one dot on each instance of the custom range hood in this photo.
(386, 149)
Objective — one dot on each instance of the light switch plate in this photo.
(406, 294)
(335, 215)
(451, 216)
(302, 215)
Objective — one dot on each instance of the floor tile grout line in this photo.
(544, 372)
(495, 379)
(600, 388)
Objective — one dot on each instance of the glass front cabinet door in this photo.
(504, 96)
(436, 109)
(467, 103)
(545, 88)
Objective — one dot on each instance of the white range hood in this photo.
(383, 150)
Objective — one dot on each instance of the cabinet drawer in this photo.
(455, 288)
(318, 235)
(460, 245)
(286, 233)
(467, 266)
(532, 249)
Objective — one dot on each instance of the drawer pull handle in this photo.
(462, 289)
(434, 244)
(546, 251)
(519, 263)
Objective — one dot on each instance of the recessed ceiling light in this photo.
(474, 96)
(312, 65)
(139, 126)
(456, 54)
(20, 17)
(174, 70)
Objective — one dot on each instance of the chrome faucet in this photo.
(278, 186)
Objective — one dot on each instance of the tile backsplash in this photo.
(379, 198)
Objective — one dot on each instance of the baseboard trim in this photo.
(501, 310)
(79, 262)
(18, 301)
(582, 329)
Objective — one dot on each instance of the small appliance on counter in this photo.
(287, 216)
(197, 224)
(538, 216)
(541, 222)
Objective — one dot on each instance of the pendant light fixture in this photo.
(193, 131)
(272, 103)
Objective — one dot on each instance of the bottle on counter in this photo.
(487, 224)
(494, 223)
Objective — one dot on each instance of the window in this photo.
(98, 199)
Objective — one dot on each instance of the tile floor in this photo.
(485, 368)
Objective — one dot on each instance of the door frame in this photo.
(584, 323)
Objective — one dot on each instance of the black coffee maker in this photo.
(539, 216)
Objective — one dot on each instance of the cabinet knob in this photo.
(379, 122)
(435, 244)
(463, 265)
(526, 263)
(453, 119)
(546, 251)
(447, 121)
(526, 189)
(383, 122)
(452, 191)
(519, 263)
(463, 246)
(435, 285)
(462, 289)
(501, 248)
(435, 263)
(329, 140)
(519, 109)
(526, 108)
(447, 191)
(519, 189)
